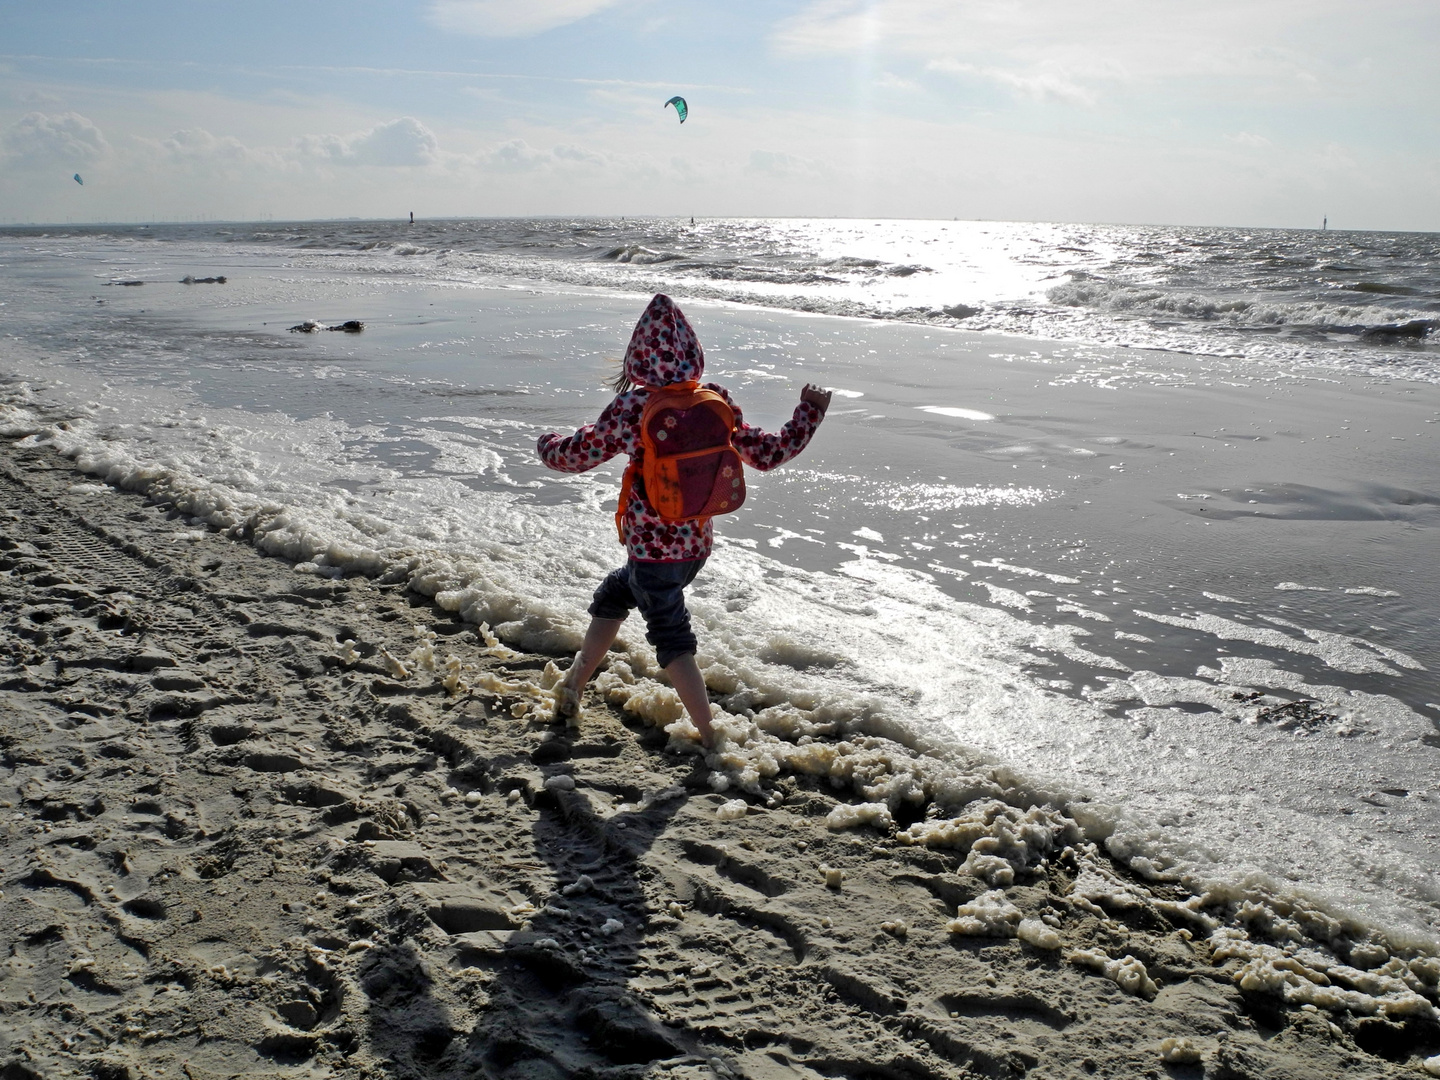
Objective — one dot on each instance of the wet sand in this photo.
(234, 845)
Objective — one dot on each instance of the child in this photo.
(664, 556)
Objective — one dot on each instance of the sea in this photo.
(1141, 519)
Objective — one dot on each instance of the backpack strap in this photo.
(627, 479)
(627, 484)
(657, 395)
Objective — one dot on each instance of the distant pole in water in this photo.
(412, 217)
(1325, 224)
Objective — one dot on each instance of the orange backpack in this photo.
(691, 470)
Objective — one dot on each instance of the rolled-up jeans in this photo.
(658, 590)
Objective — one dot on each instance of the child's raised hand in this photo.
(817, 396)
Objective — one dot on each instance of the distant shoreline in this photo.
(701, 219)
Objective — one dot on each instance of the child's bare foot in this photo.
(707, 734)
(567, 704)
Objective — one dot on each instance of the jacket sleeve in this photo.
(593, 444)
(762, 450)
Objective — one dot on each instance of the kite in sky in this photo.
(78, 180)
(680, 107)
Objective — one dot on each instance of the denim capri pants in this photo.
(658, 590)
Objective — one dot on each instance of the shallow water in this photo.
(1072, 559)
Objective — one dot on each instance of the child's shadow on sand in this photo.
(570, 974)
(559, 1000)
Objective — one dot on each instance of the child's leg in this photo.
(690, 685)
(612, 602)
(659, 590)
(599, 636)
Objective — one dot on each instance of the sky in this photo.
(1228, 112)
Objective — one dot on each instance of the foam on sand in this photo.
(988, 915)
(1180, 1051)
(1038, 935)
(1126, 972)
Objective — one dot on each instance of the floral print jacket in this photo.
(662, 351)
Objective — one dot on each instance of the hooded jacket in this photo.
(664, 350)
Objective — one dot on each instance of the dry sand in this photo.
(234, 847)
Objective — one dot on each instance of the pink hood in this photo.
(663, 349)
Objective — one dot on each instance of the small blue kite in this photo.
(78, 180)
(681, 109)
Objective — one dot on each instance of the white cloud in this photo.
(405, 141)
(515, 156)
(1250, 139)
(39, 99)
(578, 155)
(888, 80)
(1059, 50)
(686, 170)
(510, 18)
(1037, 86)
(1102, 30)
(67, 139)
(197, 153)
(830, 26)
(778, 164)
(197, 144)
(401, 142)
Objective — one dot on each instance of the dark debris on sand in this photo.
(310, 326)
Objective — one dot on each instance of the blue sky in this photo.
(1266, 112)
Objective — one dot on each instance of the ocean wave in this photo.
(1383, 288)
(1237, 311)
(767, 275)
(639, 254)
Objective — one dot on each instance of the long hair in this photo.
(622, 382)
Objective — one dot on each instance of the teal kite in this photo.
(78, 180)
(681, 109)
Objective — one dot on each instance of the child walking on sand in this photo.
(664, 554)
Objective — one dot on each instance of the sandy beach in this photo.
(1063, 700)
(264, 822)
